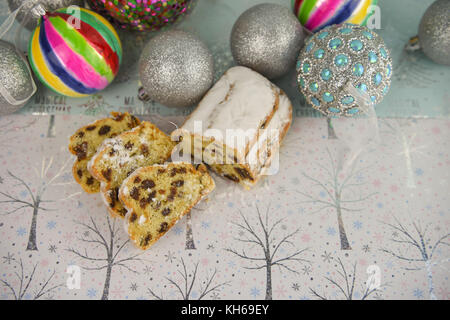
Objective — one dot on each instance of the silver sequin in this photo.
(14, 77)
(267, 39)
(434, 32)
(176, 69)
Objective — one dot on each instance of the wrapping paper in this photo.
(380, 217)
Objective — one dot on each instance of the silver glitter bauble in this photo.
(15, 79)
(176, 69)
(434, 32)
(49, 5)
(344, 69)
(267, 39)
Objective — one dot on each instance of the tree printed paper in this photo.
(342, 219)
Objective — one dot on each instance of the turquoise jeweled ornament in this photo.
(344, 70)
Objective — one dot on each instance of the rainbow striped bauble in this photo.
(75, 52)
(317, 14)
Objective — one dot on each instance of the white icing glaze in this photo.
(241, 100)
(269, 139)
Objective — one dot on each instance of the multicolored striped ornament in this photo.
(315, 15)
(75, 53)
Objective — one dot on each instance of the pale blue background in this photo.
(419, 88)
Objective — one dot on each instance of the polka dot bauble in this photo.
(344, 69)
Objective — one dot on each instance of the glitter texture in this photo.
(176, 69)
(14, 77)
(267, 39)
(143, 15)
(49, 5)
(434, 32)
(353, 64)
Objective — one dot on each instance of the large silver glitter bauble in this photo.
(176, 69)
(15, 79)
(434, 32)
(49, 5)
(344, 69)
(267, 39)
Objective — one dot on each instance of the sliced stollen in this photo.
(238, 126)
(157, 196)
(86, 140)
(119, 157)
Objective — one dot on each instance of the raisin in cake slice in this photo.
(158, 196)
(230, 127)
(86, 140)
(119, 157)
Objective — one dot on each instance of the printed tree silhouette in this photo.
(265, 240)
(36, 199)
(346, 284)
(337, 186)
(112, 246)
(24, 282)
(190, 244)
(331, 132)
(188, 283)
(418, 249)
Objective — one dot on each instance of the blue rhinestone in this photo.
(310, 46)
(368, 35)
(328, 97)
(356, 45)
(306, 67)
(358, 69)
(385, 90)
(315, 101)
(301, 81)
(341, 60)
(362, 87)
(383, 53)
(388, 71)
(299, 65)
(348, 100)
(373, 98)
(319, 54)
(377, 79)
(323, 35)
(345, 30)
(373, 58)
(335, 43)
(334, 110)
(326, 74)
(352, 110)
(313, 86)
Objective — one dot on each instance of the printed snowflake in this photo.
(91, 293)
(134, 287)
(215, 296)
(255, 292)
(21, 231)
(147, 270)
(326, 256)
(306, 270)
(169, 256)
(295, 286)
(8, 258)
